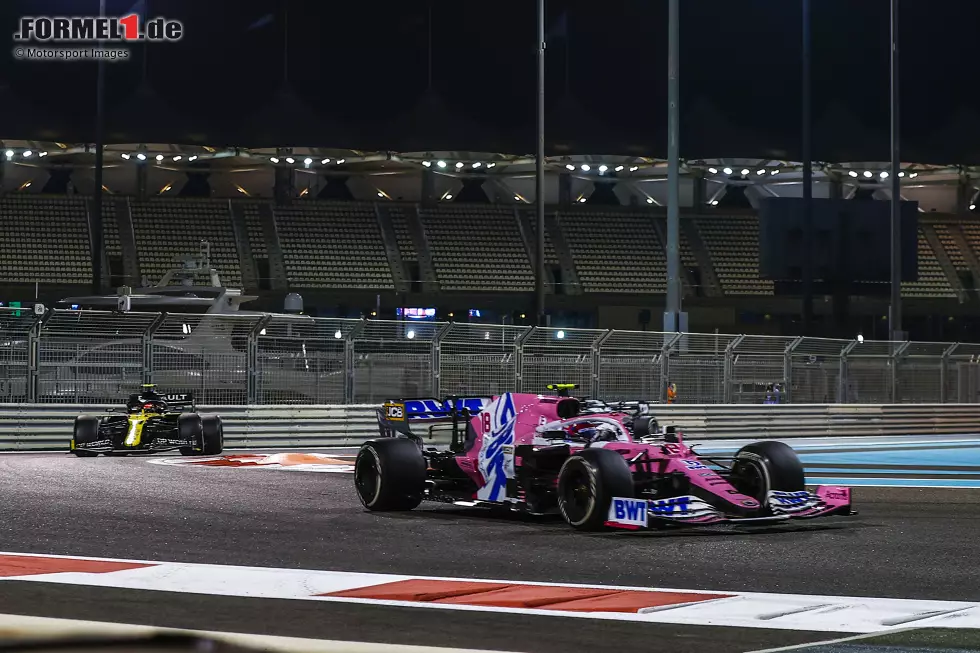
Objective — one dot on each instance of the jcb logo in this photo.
(395, 411)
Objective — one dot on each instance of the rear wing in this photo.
(428, 415)
(180, 402)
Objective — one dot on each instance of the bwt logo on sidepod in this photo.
(496, 451)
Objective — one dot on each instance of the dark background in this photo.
(358, 77)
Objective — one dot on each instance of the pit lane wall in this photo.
(47, 427)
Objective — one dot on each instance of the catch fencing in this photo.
(98, 357)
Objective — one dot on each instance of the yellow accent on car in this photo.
(394, 412)
(134, 435)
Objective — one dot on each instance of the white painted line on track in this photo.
(831, 642)
(637, 604)
(22, 628)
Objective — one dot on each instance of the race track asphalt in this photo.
(906, 543)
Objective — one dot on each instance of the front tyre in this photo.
(764, 466)
(587, 483)
(86, 431)
(389, 474)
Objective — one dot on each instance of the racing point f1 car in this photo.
(598, 465)
(152, 423)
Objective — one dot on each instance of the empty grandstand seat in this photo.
(615, 251)
(253, 224)
(733, 244)
(477, 247)
(399, 222)
(44, 239)
(932, 280)
(333, 245)
(168, 230)
(530, 217)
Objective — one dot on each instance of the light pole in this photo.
(673, 321)
(807, 173)
(96, 224)
(895, 312)
(539, 177)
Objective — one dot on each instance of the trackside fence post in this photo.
(727, 369)
(519, 354)
(843, 386)
(898, 353)
(349, 361)
(944, 373)
(33, 356)
(788, 370)
(669, 342)
(151, 330)
(437, 358)
(253, 381)
(597, 360)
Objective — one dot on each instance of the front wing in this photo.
(155, 439)
(633, 514)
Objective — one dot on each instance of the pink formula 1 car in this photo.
(599, 465)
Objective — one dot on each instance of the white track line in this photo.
(737, 609)
(21, 628)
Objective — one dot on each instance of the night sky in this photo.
(362, 66)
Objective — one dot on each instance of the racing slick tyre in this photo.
(389, 474)
(190, 428)
(769, 465)
(86, 431)
(587, 483)
(212, 435)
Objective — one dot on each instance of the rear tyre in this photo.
(190, 428)
(764, 466)
(389, 474)
(86, 431)
(212, 435)
(587, 483)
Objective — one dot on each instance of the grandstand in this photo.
(333, 246)
(473, 248)
(44, 240)
(477, 248)
(383, 237)
(166, 230)
(615, 251)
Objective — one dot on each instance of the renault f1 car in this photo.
(152, 423)
(598, 465)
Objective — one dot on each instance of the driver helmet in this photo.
(605, 433)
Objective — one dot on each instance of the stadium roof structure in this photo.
(937, 188)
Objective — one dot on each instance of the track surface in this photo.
(906, 543)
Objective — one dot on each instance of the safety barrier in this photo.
(101, 357)
(816, 420)
(37, 427)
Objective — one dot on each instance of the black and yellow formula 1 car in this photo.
(152, 423)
